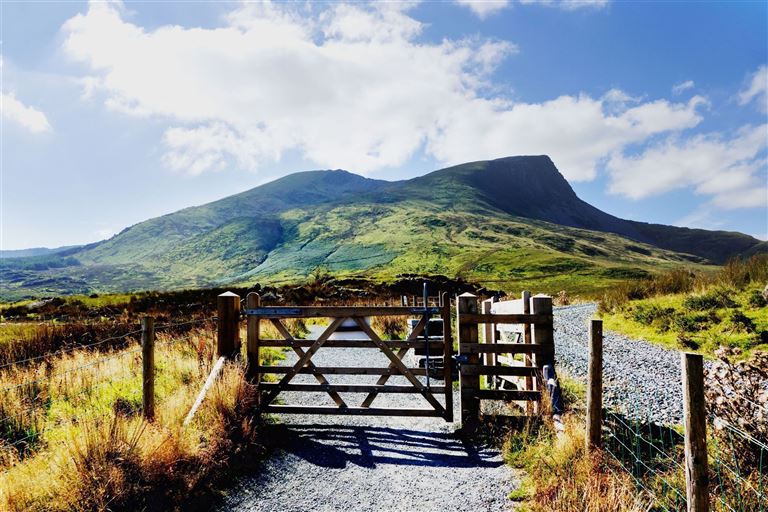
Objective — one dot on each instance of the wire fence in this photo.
(653, 455)
(67, 385)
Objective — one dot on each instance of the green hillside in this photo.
(510, 223)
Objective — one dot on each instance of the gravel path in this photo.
(640, 379)
(329, 463)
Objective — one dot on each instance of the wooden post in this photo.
(469, 384)
(228, 341)
(252, 301)
(695, 420)
(542, 334)
(489, 337)
(148, 367)
(530, 407)
(447, 357)
(595, 385)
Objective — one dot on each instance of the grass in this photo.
(73, 438)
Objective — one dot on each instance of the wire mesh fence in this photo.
(41, 397)
(653, 454)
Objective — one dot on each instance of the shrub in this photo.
(742, 321)
(714, 299)
(652, 314)
(757, 300)
(391, 327)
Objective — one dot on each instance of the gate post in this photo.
(595, 386)
(447, 357)
(228, 340)
(695, 421)
(544, 335)
(252, 301)
(469, 384)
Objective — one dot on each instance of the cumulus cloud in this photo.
(757, 90)
(570, 5)
(350, 86)
(731, 171)
(29, 118)
(682, 87)
(484, 8)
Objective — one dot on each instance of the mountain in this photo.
(512, 221)
(34, 251)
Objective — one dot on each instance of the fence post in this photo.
(469, 384)
(595, 385)
(447, 357)
(695, 420)
(148, 367)
(489, 336)
(530, 407)
(542, 334)
(228, 341)
(252, 301)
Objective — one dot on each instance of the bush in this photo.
(757, 300)
(742, 321)
(651, 314)
(714, 299)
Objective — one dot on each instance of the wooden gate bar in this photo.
(502, 394)
(349, 388)
(514, 371)
(337, 311)
(303, 360)
(503, 348)
(399, 364)
(437, 346)
(353, 411)
(417, 330)
(542, 318)
(341, 370)
(318, 376)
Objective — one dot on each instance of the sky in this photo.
(116, 112)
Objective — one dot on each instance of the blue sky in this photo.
(118, 112)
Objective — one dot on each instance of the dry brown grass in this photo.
(88, 448)
(561, 477)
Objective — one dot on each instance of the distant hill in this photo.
(35, 251)
(511, 222)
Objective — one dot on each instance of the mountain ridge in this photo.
(478, 220)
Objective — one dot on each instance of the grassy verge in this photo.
(72, 437)
(693, 312)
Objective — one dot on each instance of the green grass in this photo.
(696, 321)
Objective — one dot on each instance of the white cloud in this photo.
(731, 171)
(757, 89)
(351, 86)
(682, 87)
(28, 118)
(570, 5)
(484, 8)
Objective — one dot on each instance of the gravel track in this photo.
(640, 379)
(329, 463)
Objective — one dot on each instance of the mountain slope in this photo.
(511, 221)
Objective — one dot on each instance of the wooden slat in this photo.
(393, 344)
(337, 312)
(517, 371)
(417, 330)
(354, 411)
(299, 352)
(506, 395)
(476, 318)
(428, 396)
(447, 357)
(350, 388)
(501, 348)
(341, 370)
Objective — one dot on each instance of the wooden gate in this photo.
(394, 350)
(534, 317)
